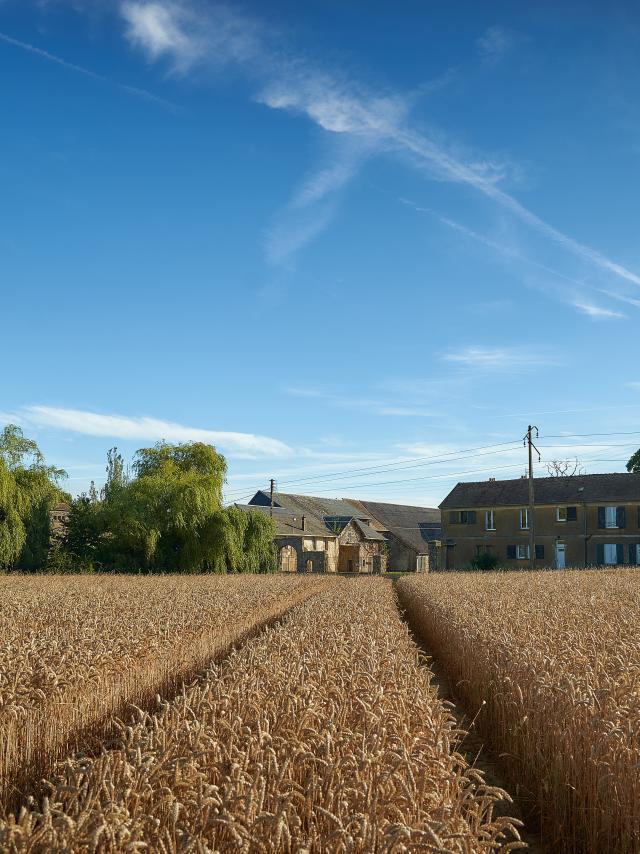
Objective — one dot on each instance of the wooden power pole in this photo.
(528, 440)
(272, 484)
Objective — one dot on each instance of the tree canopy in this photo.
(28, 490)
(634, 463)
(167, 515)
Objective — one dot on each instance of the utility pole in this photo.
(528, 440)
(272, 484)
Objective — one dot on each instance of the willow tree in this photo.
(161, 516)
(28, 490)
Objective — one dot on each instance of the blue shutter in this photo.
(601, 518)
(471, 517)
(619, 554)
(572, 514)
(539, 552)
(633, 554)
(600, 549)
(511, 552)
(621, 517)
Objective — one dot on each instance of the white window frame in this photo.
(559, 511)
(610, 514)
(490, 520)
(522, 551)
(611, 549)
(524, 517)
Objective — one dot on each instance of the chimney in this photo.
(304, 523)
(492, 480)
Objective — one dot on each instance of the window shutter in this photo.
(453, 514)
(620, 517)
(620, 554)
(511, 552)
(601, 518)
(572, 514)
(633, 554)
(600, 548)
(539, 552)
(471, 517)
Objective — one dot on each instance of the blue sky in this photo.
(325, 236)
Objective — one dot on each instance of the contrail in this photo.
(79, 69)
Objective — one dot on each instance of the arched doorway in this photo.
(288, 559)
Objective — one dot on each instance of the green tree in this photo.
(634, 463)
(28, 490)
(83, 539)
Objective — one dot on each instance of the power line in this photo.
(589, 435)
(453, 456)
(401, 462)
(406, 463)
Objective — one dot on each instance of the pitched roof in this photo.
(368, 532)
(589, 488)
(289, 524)
(310, 505)
(414, 526)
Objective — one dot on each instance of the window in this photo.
(539, 551)
(561, 514)
(524, 517)
(462, 517)
(319, 545)
(490, 520)
(522, 552)
(610, 553)
(611, 517)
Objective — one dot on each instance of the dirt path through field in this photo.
(475, 749)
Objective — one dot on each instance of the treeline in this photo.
(165, 514)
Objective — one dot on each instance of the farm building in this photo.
(58, 521)
(346, 535)
(581, 520)
(412, 533)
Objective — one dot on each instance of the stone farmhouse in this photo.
(582, 520)
(345, 535)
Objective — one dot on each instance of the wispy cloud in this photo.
(374, 406)
(186, 34)
(143, 428)
(494, 43)
(338, 106)
(163, 28)
(513, 253)
(79, 69)
(597, 312)
(292, 233)
(498, 358)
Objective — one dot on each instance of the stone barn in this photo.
(350, 544)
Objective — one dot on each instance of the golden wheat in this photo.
(324, 733)
(76, 650)
(552, 661)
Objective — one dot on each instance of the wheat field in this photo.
(551, 663)
(75, 651)
(323, 733)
